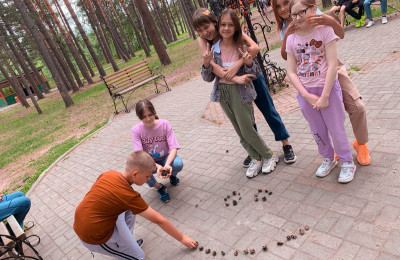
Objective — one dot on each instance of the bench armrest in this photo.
(156, 69)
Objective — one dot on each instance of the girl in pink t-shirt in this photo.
(312, 68)
(155, 136)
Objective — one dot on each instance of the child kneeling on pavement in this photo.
(105, 219)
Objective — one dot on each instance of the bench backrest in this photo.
(128, 76)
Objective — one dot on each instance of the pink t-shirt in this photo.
(310, 55)
(228, 59)
(157, 141)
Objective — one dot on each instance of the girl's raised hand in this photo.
(207, 56)
(247, 59)
(290, 29)
(319, 19)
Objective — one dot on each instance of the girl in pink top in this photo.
(312, 68)
(155, 136)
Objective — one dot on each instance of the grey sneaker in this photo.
(347, 172)
(384, 19)
(370, 23)
(254, 168)
(325, 168)
(269, 164)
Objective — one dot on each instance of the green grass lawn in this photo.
(34, 141)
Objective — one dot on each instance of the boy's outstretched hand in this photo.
(187, 241)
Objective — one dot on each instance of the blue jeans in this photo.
(16, 204)
(266, 106)
(177, 166)
(367, 7)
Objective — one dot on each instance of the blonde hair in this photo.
(141, 161)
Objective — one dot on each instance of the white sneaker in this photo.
(269, 164)
(384, 19)
(347, 172)
(325, 168)
(254, 168)
(370, 23)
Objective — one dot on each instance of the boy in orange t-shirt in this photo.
(105, 219)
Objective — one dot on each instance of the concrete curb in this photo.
(44, 173)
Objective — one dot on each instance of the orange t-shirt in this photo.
(96, 215)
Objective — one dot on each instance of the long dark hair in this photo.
(203, 16)
(142, 105)
(237, 36)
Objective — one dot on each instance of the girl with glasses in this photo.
(352, 101)
(312, 69)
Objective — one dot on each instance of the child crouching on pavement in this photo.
(105, 219)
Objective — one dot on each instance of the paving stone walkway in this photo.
(360, 220)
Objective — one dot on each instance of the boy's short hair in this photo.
(203, 16)
(141, 161)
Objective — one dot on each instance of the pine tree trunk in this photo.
(188, 19)
(24, 67)
(142, 41)
(60, 63)
(71, 33)
(111, 28)
(326, 4)
(201, 3)
(157, 43)
(95, 30)
(121, 28)
(17, 88)
(21, 74)
(166, 33)
(70, 44)
(171, 21)
(33, 29)
(38, 77)
(20, 61)
(140, 20)
(180, 17)
(115, 40)
(85, 39)
(102, 38)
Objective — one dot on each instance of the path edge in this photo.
(44, 173)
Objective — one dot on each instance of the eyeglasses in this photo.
(301, 13)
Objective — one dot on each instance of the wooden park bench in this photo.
(129, 79)
(13, 241)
